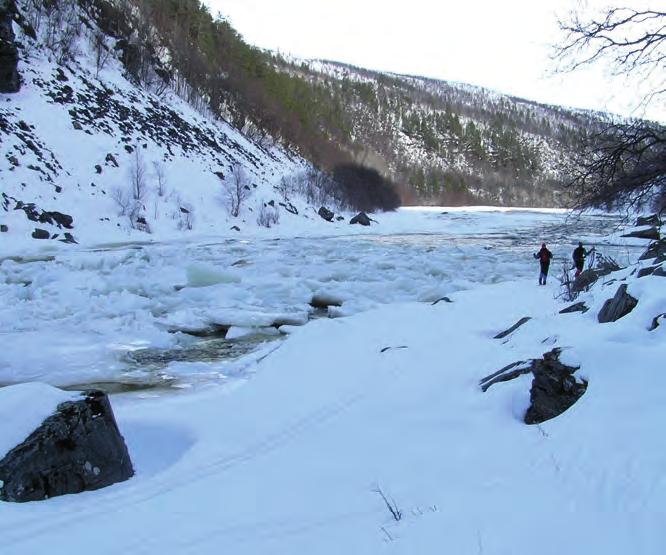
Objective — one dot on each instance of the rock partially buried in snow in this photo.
(617, 307)
(324, 300)
(657, 250)
(513, 328)
(576, 307)
(647, 233)
(40, 234)
(77, 448)
(652, 220)
(361, 218)
(554, 388)
(326, 214)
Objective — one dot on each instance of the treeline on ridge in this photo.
(468, 151)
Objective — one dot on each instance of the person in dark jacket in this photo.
(579, 255)
(543, 256)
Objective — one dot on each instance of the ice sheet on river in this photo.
(73, 317)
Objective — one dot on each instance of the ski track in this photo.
(123, 492)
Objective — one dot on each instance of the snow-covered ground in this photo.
(287, 453)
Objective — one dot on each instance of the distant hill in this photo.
(449, 143)
(146, 115)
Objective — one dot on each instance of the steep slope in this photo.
(85, 154)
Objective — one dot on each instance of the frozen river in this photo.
(182, 314)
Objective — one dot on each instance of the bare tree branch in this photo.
(622, 163)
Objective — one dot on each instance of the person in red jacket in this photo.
(543, 256)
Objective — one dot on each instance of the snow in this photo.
(273, 383)
(283, 449)
(23, 408)
(88, 306)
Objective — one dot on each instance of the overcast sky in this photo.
(503, 45)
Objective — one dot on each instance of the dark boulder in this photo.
(617, 307)
(31, 211)
(79, 448)
(577, 307)
(361, 218)
(587, 278)
(4, 228)
(326, 214)
(554, 388)
(651, 233)
(56, 218)
(657, 249)
(10, 82)
(323, 301)
(40, 234)
(111, 159)
(652, 220)
(652, 271)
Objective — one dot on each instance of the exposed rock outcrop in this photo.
(617, 307)
(79, 448)
(554, 388)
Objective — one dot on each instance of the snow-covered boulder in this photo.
(69, 443)
(554, 388)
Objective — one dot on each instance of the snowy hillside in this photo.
(86, 155)
(451, 142)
